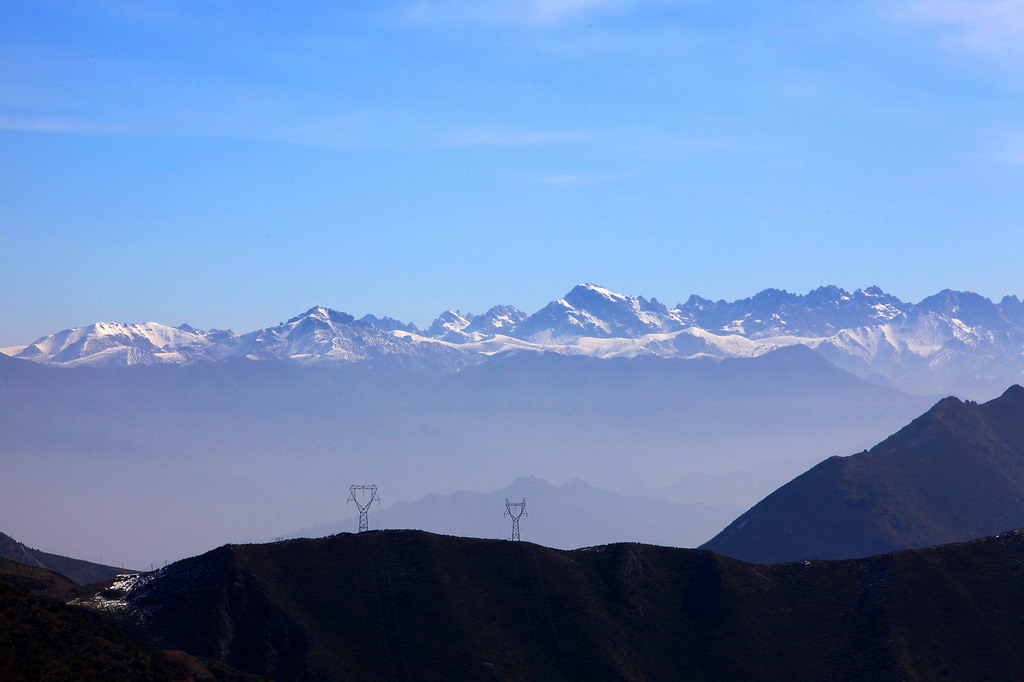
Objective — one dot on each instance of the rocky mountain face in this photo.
(454, 327)
(323, 336)
(953, 341)
(318, 336)
(955, 473)
(118, 344)
(400, 605)
(593, 311)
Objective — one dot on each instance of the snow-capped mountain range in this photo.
(952, 341)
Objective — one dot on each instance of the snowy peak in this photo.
(112, 344)
(773, 312)
(594, 298)
(449, 326)
(388, 324)
(322, 336)
(952, 341)
(318, 336)
(319, 333)
(592, 310)
(500, 319)
(970, 308)
(454, 327)
(323, 315)
(584, 295)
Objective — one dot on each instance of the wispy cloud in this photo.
(505, 11)
(1006, 146)
(582, 178)
(690, 146)
(60, 124)
(990, 28)
(488, 137)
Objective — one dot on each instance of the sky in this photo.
(232, 163)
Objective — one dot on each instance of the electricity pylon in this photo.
(358, 494)
(514, 510)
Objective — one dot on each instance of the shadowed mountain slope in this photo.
(78, 570)
(44, 641)
(408, 605)
(955, 473)
(42, 581)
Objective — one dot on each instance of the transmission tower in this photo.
(515, 510)
(363, 496)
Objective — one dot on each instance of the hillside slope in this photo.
(41, 581)
(408, 605)
(955, 473)
(42, 640)
(80, 571)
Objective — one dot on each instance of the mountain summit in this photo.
(954, 473)
(592, 310)
(951, 342)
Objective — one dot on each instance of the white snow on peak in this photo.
(869, 333)
(114, 343)
(607, 293)
(686, 343)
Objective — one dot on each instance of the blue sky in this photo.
(232, 163)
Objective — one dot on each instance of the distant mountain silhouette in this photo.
(955, 473)
(409, 605)
(202, 438)
(41, 581)
(568, 516)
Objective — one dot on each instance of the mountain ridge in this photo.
(954, 473)
(394, 605)
(78, 570)
(951, 341)
(574, 514)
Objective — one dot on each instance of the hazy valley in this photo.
(614, 455)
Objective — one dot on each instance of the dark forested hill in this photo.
(409, 605)
(955, 473)
(42, 640)
(45, 640)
